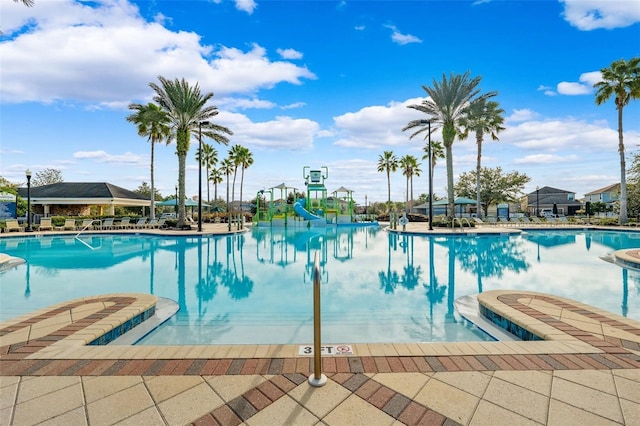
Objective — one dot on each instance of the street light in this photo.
(200, 173)
(28, 229)
(537, 200)
(430, 181)
(176, 209)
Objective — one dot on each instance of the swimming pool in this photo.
(376, 286)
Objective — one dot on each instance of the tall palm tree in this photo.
(215, 177)
(388, 162)
(185, 105)
(437, 151)
(153, 123)
(622, 80)
(226, 167)
(410, 167)
(209, 160)
(448, 101)
(235, 154)
(245, 159)
(483, 117)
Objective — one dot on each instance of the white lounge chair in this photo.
(45, 224)
(13, 225)
(107, 223)
(69, 225)
(141, 223)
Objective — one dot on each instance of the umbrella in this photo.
(187, 202)
(555, 209)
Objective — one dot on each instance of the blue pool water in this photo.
(376, 286)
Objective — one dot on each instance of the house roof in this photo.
(611, 188)
(547, 190)
(83, 193)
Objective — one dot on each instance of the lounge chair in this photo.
(13, 225)
(125, 223)
(161, 223)
(153, 223)
(525, 220)
(536, 220)
(478, 221)
(141, 223)
(86, 224)
(45, 224)
(69, 225)
(492, 220)
(504, 221)
(107, 223)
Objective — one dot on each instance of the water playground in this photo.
(282, 206)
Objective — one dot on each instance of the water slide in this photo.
(298, 207)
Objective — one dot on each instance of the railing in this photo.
(317, 378)
(77, 237)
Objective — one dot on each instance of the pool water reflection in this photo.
(376, 286)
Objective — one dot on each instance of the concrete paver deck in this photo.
(586, 371)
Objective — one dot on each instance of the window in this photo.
(571, 197)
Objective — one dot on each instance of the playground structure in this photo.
(315, 209)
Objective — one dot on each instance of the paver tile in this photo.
(586, 398)
(601, 380)
(630, 411)
(190, 405)
(129, 401)
(448, 400)
(285, 411)
(474, 383)
(354, 411)
(319, 400)
(537, 381)
(165, 387)
(49, 405)
(231, 387)
(408, 384)
(490, 414)
(517, 399)
(563, 414)
(628, 389)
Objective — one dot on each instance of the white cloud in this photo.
(294, 105)
(538, 159)
(105, 54)
(233, 104)
(555, 135)
(400, 38)
(589, 15)
(289, 54)
(246, 5)
(360, 27)
(519, 115)
(376, 127)
(105, 157)
(584, 87)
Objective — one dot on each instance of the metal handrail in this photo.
(317, 378)
(77, 237)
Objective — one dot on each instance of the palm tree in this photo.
(215, 177)
(27, 3)
(482, 117)
(227, 167)
(622, 80)
(388, 162)
(410, 168)
(245, 159)
(209, 160)
(235, 153)
(186, 108)
(153, 123)
(447, 102)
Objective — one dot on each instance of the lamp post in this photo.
(537, 200)
(176, 209)
(430, 181)
(200, 173)
(28, 228)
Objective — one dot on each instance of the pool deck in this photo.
(585, 371)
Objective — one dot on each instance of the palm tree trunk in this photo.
(152, 211)
(478, 205)
(241, 183)
(451, 202)
(233, 187)
(406, 195)
(182, 162)
(388, 191)
(622, 216)
(208, 188)
(411, 210)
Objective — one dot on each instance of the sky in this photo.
(313, 83)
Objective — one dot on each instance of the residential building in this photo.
(543, 199)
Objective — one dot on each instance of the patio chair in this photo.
(536, 220)
(45, 224)
(478, 221)
(525, 220)
(153, 223)
(492, 220)
(69, 225)
(86, 224)
(125, 223)
(107, 223)
(13, 225)
(504, 221)
(161, 223)
(141, 223)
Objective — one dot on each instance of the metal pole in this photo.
(28, 229)
(317, 378)
(537, 201)
(430, 182)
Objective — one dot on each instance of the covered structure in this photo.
(76, 198)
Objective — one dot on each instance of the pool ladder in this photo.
(460, 222)
(317, 379)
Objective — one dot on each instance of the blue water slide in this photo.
(298, 207)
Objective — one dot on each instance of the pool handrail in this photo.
(317, 379)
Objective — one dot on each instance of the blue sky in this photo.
(313, 83)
